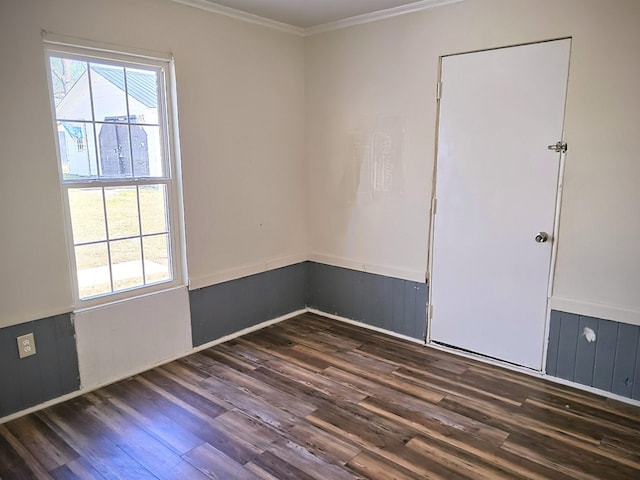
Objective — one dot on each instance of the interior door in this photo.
(496, 192)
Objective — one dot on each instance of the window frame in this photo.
(171, 179)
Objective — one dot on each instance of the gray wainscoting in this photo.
(389, 303)
(611, 362)
(50, 373)
(232, 306)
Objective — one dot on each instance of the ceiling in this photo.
(305, 14)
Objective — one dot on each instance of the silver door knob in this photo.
(542, 237)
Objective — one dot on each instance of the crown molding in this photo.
(326, 27)
(375, 16)
(243, 16)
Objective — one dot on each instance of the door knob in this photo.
(542, 237)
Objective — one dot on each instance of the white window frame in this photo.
(56, 46)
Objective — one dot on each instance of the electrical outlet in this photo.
(26, 345)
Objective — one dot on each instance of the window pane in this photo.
(126, 264)
(157, 266)
(114, 149)
(92, 266)
(70, 86)
(77, 145)
(112, 133)
(153, 209)
(87, 215)
(107, 88)
(122, 212)
(147, 151)
(142, 88)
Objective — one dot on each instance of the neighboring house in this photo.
(115, 156)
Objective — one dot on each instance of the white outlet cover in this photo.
(26, 345)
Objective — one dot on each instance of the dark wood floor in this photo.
(315, 398)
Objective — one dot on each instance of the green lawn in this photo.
(121, 205)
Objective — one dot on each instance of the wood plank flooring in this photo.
(314, 398)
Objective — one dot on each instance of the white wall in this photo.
(241, 111)
(251, 100)
(242, 137)
(121, 339)
(384, 73)
(35, 280)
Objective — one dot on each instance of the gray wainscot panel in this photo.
(232, 306)
(598, 353)
(389, 303)
(50, 373)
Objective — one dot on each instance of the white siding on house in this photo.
(108, 102)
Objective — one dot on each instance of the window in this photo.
(117, 170)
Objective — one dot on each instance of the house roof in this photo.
(141, 85)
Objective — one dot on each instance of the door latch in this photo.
(542, 237)
(559, 147)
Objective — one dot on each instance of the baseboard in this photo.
(596, 391)
(490, 361)
(364, 325)
(246, 331)
(534, 373)
(274, 321)
(134, 372)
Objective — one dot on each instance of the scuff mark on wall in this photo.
(589, 334)
(378, 152)
(372, 184)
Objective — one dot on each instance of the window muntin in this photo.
(114, 109)
(116, 172)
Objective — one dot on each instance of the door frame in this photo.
(556, 220)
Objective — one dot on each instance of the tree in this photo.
(65, 72)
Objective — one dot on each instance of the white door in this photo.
(496, 189)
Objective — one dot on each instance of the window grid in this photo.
(106, 233)
(95, 134)
(158, 239)
(108, 240)
(132, 237)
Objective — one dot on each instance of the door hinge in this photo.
(559, 147)
(438, 90)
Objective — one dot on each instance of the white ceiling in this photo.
(305, 14)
